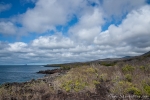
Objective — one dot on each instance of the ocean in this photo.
(20, 73)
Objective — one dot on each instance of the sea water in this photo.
(20, 73)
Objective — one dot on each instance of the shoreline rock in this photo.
(50, 71)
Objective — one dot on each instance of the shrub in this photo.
(108, 63)
(128, 68)
(142, 67)
(128, 77)
(65, 67)
(96, 82)
(103, 77)
(73, 86)
(78, 79)
(147, 89)
(120, 88)
(91, 70)
(133, 90)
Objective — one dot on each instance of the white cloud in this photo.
(133, 31)
(49, 13)
(7, 28)
(3, 45)
(118, 8)
(4, 7)
(17, 47)
(89, 25)
(52, 42)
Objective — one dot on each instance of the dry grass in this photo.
(28, 91)
(131, 80)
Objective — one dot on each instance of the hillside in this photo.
(108, 61)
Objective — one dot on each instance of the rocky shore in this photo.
(51, 71)
(37, 89)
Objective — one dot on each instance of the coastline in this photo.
(115, 80)
(20, 73)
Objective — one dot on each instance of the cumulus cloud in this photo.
(118, 8)
(7, 28)
(4, 7)
(3, 45)
(89, 25)
(17, 47)
(49, 13)
(52, 42)
(133, 31)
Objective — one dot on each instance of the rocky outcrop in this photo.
(50, 71)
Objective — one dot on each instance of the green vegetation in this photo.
(147, 89)
(134, 90)
(128, 77)
(34, 90)
(106, 63)
(146, 86)
(78, 79)
(65, 67)
(128, 68)
(143, 68)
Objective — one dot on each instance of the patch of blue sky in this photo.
(148, 2)
(64, 28)
(31, 36)
(17, 7)
(114, 21)
(27, 38)
(6, 38)
(18, 25)
(94, 4)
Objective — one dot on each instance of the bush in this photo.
(133, 90)
(103, 77)
(76, 85)
(120, 87)
(78, 79)
(143, 68)
(124, 88)
(65, 67)
(128, 68)
(147, 89)
(108, 63)
(128, 77)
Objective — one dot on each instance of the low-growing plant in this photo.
(96, 82)
(65, 67)
(134, 91)
(91, 70)
(143, 68)
(108, 63)
(78, 79)
(103, 77)
(128, 77)
(73, 86)
(128, 68)
(120, 88)
(19, 91)
(147, 89)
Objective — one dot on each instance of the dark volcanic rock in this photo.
(50, 71)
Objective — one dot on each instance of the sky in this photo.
(62, 31)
